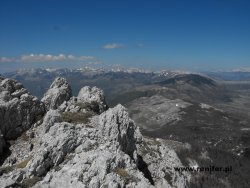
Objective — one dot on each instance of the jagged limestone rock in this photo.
(93, 95)
(89, 100)
(18, 109)
(101, 157)
(51, 117)
(161, 161)
(116, 126)
(58, 92)
(102, 152)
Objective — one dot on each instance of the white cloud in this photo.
(45, 58)
(7, 60)
(83, 58)
(113, 46)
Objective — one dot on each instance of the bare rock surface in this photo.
(89, 99)
(58, 92)
(161, 160)
(18, 109)
(93, 95)
(101, 150)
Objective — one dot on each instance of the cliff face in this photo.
(79, 142)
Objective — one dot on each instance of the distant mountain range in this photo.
(207, 111)
(38, 80)
(236, 75)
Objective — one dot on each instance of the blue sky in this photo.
(184, 34)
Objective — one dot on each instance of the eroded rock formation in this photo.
(18, 109)
(76, 145)
(58, 92)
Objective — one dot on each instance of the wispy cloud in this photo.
(6, 59)
(140, 45)
(45, 58)
(113, 46)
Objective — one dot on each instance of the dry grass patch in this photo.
(23, 164)
(7, 169)
(121, 172)
(27, 183)
(155, 142)
(90, 106)
(76, 117)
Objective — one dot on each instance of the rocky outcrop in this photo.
(94, 104)
(93, 95)
(58, 92)
(161, 161)
(93, 154)
(116, 126)
(107, 150)
(59, 96)
(18, 109)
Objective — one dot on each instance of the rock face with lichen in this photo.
(77, 144)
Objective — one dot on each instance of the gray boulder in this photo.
(58, 92)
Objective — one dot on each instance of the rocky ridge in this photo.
(79, 142)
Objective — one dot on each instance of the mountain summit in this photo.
(67, 141)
